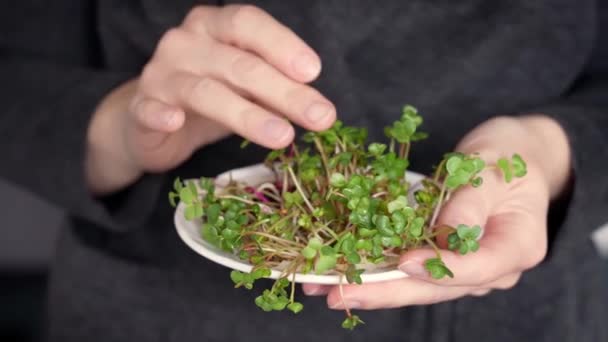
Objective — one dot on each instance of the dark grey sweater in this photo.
(122, 274)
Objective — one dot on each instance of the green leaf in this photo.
(399, 221)
(172, 197)
(348, 244)
(365, 232)
(309, 252)
(468, 166)
(304, 221)
(376, 149)
(396, 241)
(327, 251)
(409, 111)
(466, 232)
(292, 198)
(186, 196)
(351, 322)
(417, 136)
(192, 187)
(295, 307)
(245, 143)
(453, 241)
(377, 251)
(473, 245)
(230, 234)
(315, 243)
(353, 275)
(275, 154)
(475, 232)
(504, 165)
(415, 227)
(280, 304)
(383, 224)
(519, 166)
(353, 258)
(437, 269)
(262, 272)
(210, 234)
(213, 213)
(206, 184)
(397, 204)
(236, 277)
(177, 185)
(344, 158)
(365, 245)
(190, 212)
(337, 180)
(463, 248)
(453, 164)
(256, 259)
(325, 263)
(318, 212)
(476, 182)
(478, 164)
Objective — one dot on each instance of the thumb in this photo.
(472, 205)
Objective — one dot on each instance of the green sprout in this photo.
(338, 204)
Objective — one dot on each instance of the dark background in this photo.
(29, 228)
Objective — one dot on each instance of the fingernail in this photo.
(275, 129)
(413, 268)
(317, 112)
(349, 304)
(307, 66)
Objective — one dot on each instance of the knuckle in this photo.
(299, 96)
(245, 65)
(241, 16)
(148, 74)
(536, 257)
(171, 38)
(508, 283)
(536, 254)
(193, 91)
(244, 13)
(195, 16)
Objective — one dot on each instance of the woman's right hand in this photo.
(224, 70)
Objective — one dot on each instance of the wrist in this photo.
(108, 167)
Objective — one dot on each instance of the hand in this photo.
(513, 217)
(224, 70)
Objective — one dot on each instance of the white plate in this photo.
(254, 175)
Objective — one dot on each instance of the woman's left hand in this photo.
(513, 217)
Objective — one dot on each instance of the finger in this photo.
(315, 289)
(155, 115)
(252, 29)
(214, 100)
(392, 294)
(261, 81)
(513, 242)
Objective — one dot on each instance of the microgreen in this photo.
(464, 239)
(338, 205)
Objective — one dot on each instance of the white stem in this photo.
(302, 193)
